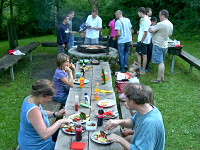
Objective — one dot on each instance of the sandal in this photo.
(157, 81)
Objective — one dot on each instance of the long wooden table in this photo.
(64, 141)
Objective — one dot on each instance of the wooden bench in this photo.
(8, 61)
(51, 106)
(193, 61)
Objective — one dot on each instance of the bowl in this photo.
(78, 74)
(91, 125)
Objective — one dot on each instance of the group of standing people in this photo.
(151, 44)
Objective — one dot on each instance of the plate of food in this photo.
(77, 81)
(82, 116)
(71, 128)
(91, 125)
(110, 114)
(100, 137)
(106, 103)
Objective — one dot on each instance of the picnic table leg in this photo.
(12, 73)
(190, 69)
(31, 58)
(173, 62)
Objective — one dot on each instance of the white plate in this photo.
(77, 82)
(107, 102)
(94, 139)
(72, 133)
(82, 121)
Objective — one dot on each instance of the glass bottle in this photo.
(103, 77)
(100, 116)
(77, 103)
(78, 130)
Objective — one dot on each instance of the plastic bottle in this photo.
(97, 92)
(77, 103)
(103, 77)
(82, 79)
(78, 130)
(100, 116)
(86, 98)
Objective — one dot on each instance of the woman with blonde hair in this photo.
(63, 77)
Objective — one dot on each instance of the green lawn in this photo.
(177, 98)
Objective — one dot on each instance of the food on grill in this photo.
(93, 46)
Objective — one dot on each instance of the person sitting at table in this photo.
(35, 131)
(147, 122)
(63, 77)
(128, 133)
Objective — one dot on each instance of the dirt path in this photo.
(44, 67)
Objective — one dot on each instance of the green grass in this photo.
(177, 98)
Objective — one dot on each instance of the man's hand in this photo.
(114, 137)
(111, 124)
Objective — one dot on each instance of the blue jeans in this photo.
(62, 99)
(71, 40)
(123, 50)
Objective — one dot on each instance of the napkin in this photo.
(78, 145)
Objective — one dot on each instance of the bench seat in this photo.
(8, 61)
(193, 61)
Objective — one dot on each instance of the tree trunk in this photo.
(57, 14)
(1, 17)
(12, 35)
(94, 4)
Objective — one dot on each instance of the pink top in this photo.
(112, 27)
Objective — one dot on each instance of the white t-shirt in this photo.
(144, 26)
(162, 31)
(93, 22)
(124, 25)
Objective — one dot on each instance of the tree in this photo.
(1, 16)
(12, 35)
(94, 4)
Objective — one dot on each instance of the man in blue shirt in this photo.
(147, 122)
(63, 35)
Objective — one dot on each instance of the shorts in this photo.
(141, 48)
(91, 41)
(158, 54)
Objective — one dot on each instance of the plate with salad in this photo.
(71, 128)
(100, 137)
(84, 117)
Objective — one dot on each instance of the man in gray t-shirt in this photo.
(124, 35)
(147, 122)
(161, 32)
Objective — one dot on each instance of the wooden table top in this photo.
(64, 141)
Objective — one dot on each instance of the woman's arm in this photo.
(60, 113)
(69, 81)
(36, 119)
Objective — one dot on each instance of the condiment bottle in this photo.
(77, 103)
(82, 79)
(78, 130)
(86, 98)
(100, 116)
(103, 77)
(97, 92)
